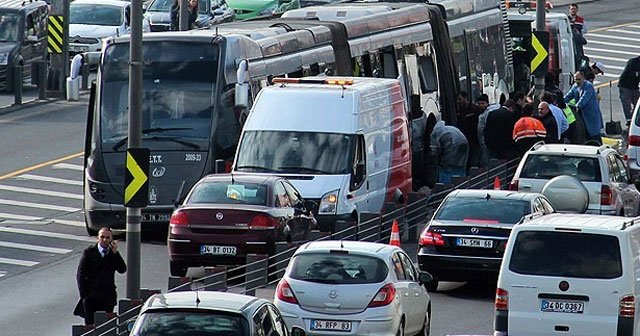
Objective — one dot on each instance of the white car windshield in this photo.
(91, 14)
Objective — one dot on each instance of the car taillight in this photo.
(179, 218)
(634, 140)
(262, 222)
(502, 299)
(627, 306)
(513, 186)
(605, 195)
(284, 292)
(430, 238)
(385, 296)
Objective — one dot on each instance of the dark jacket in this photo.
(630, 76)
(175, 17)
(498, 133)
(551, 125)
(468, 123)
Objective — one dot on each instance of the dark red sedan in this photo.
(225, 217)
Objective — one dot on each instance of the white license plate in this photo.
(155, 217)
(330, 325)
(468, 242)
(78, 48)
(562, 306)
(218, 250)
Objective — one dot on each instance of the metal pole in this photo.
(135, 141)
(17, 84)
(184, 14)
(540, 26)
(42, 80)
(65, 49)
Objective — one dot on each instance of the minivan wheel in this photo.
(177, 269)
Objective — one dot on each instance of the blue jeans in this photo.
(628, 98)
(446, 174)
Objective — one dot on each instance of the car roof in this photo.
(20, 4)
(118, 3)
(498, 194)
(569, 149)
(208, 300)
(579, 221)
(243, 178)
(359, 247)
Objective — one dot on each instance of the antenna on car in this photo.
(341, 246)
(197, 298)
(488, 197)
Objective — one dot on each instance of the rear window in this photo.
(229, 193)
(566, 254)
(540, 166)
(187, 323)
(484, 210)
(338, 268)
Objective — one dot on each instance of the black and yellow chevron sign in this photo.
(136, 179)
(56, 35)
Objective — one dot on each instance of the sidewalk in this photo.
(562, 3)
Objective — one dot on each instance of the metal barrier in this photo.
(262, 271)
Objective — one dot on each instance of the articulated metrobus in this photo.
(191, 81)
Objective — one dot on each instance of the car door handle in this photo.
(526, 185)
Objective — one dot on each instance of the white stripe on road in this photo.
(18, 262)
(633, 39)
(47, 234)
(633, 26)
(624, 31)
(2, 273)
(613, 44)
(614, 59)
(49, 179)
(38, 206)
(41, 219)
(611, 51)
(68, 166)
(41, 192)
(19, 217)
(37, 248)
(69, 222)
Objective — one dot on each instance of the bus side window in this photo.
(389, 63)
(428, 78)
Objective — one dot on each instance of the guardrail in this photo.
(262, 271)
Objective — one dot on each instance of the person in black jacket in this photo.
(498, 131)
(95, 276)
(549, 122)
(192, 12)
(628, 86)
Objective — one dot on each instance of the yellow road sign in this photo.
(56, 35)
(540, 59)
(136, 181)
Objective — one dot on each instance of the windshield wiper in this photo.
(174, 139)
(158, 129)
(258, 168)
(303, 169)
(163, 129)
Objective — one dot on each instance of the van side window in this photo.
(359, 171)
(30, 28)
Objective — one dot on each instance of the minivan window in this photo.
(9, 27)
(541, 166)
(566, 254)
(190, 323)
(489, 210)
(338, 268)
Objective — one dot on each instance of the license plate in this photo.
(155, 217)
(330, 325)
(78, 48)
(218, 250)
(468, 242)
(562, 306)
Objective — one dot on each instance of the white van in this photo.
(342, 141)
(570, 274)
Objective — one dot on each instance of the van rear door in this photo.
(564, 282)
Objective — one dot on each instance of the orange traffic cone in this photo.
(395, 234)
(496, 183)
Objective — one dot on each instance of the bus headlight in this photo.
(329, 203)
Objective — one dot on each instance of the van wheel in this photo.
(177, 269)
(432, 286)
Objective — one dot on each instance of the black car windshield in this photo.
(542, 166)
(165, 6)
(338, 268)
(9, 27)
(93, 14)
(188, 323)
(483, 210)
(296, 152)
(566, 254)
(229, 193)
(178, 83)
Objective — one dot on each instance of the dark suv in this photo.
(23, 38)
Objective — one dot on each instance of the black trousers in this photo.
(92, 305)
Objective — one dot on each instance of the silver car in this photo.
(353, 288)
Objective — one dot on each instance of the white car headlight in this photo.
(4, 58)
(329, 203)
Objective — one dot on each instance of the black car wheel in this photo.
(177, 269)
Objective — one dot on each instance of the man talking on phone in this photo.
(95, 276)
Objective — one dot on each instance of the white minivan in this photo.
(343, 142)
(570, 274)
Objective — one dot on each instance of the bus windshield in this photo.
(296, 152)
(178, 101)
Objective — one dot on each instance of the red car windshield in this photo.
(229, 193)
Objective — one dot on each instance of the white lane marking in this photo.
(41, 192)
(612, 51)
(41, 219)
(633, 39)
(47, 234)
(4, 215)
(68, 166)
(18, 262)
(614, 59)
(614, 44)
(3, 273)
(68, 222)
(49, 179)
(31, 247)
(38, 205)
(624, 31)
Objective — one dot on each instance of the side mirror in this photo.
(424, 278)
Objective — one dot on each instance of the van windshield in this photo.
(296, 152)
(90, 14)
(9, 27)
(566, 254)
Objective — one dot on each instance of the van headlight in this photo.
(4, 58)
(329, 203)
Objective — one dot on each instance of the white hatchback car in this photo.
(633, 151)
(353, 288)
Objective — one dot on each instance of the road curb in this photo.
(31, 103)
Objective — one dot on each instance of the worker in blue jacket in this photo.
(587, 103)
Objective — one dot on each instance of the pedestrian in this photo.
(498, 131)
(587, 104)
(590, 71)
(520, 98)
(192, 14)
(485, 108)
(468, 114)
(577, 21)
(95, 276)
(527, 131)
(549, 121)
(450, 150)
(628, 86)
(561, 119)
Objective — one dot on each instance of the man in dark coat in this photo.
(95, 276)
(549, 121)
(468, 114)
(498, 132)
